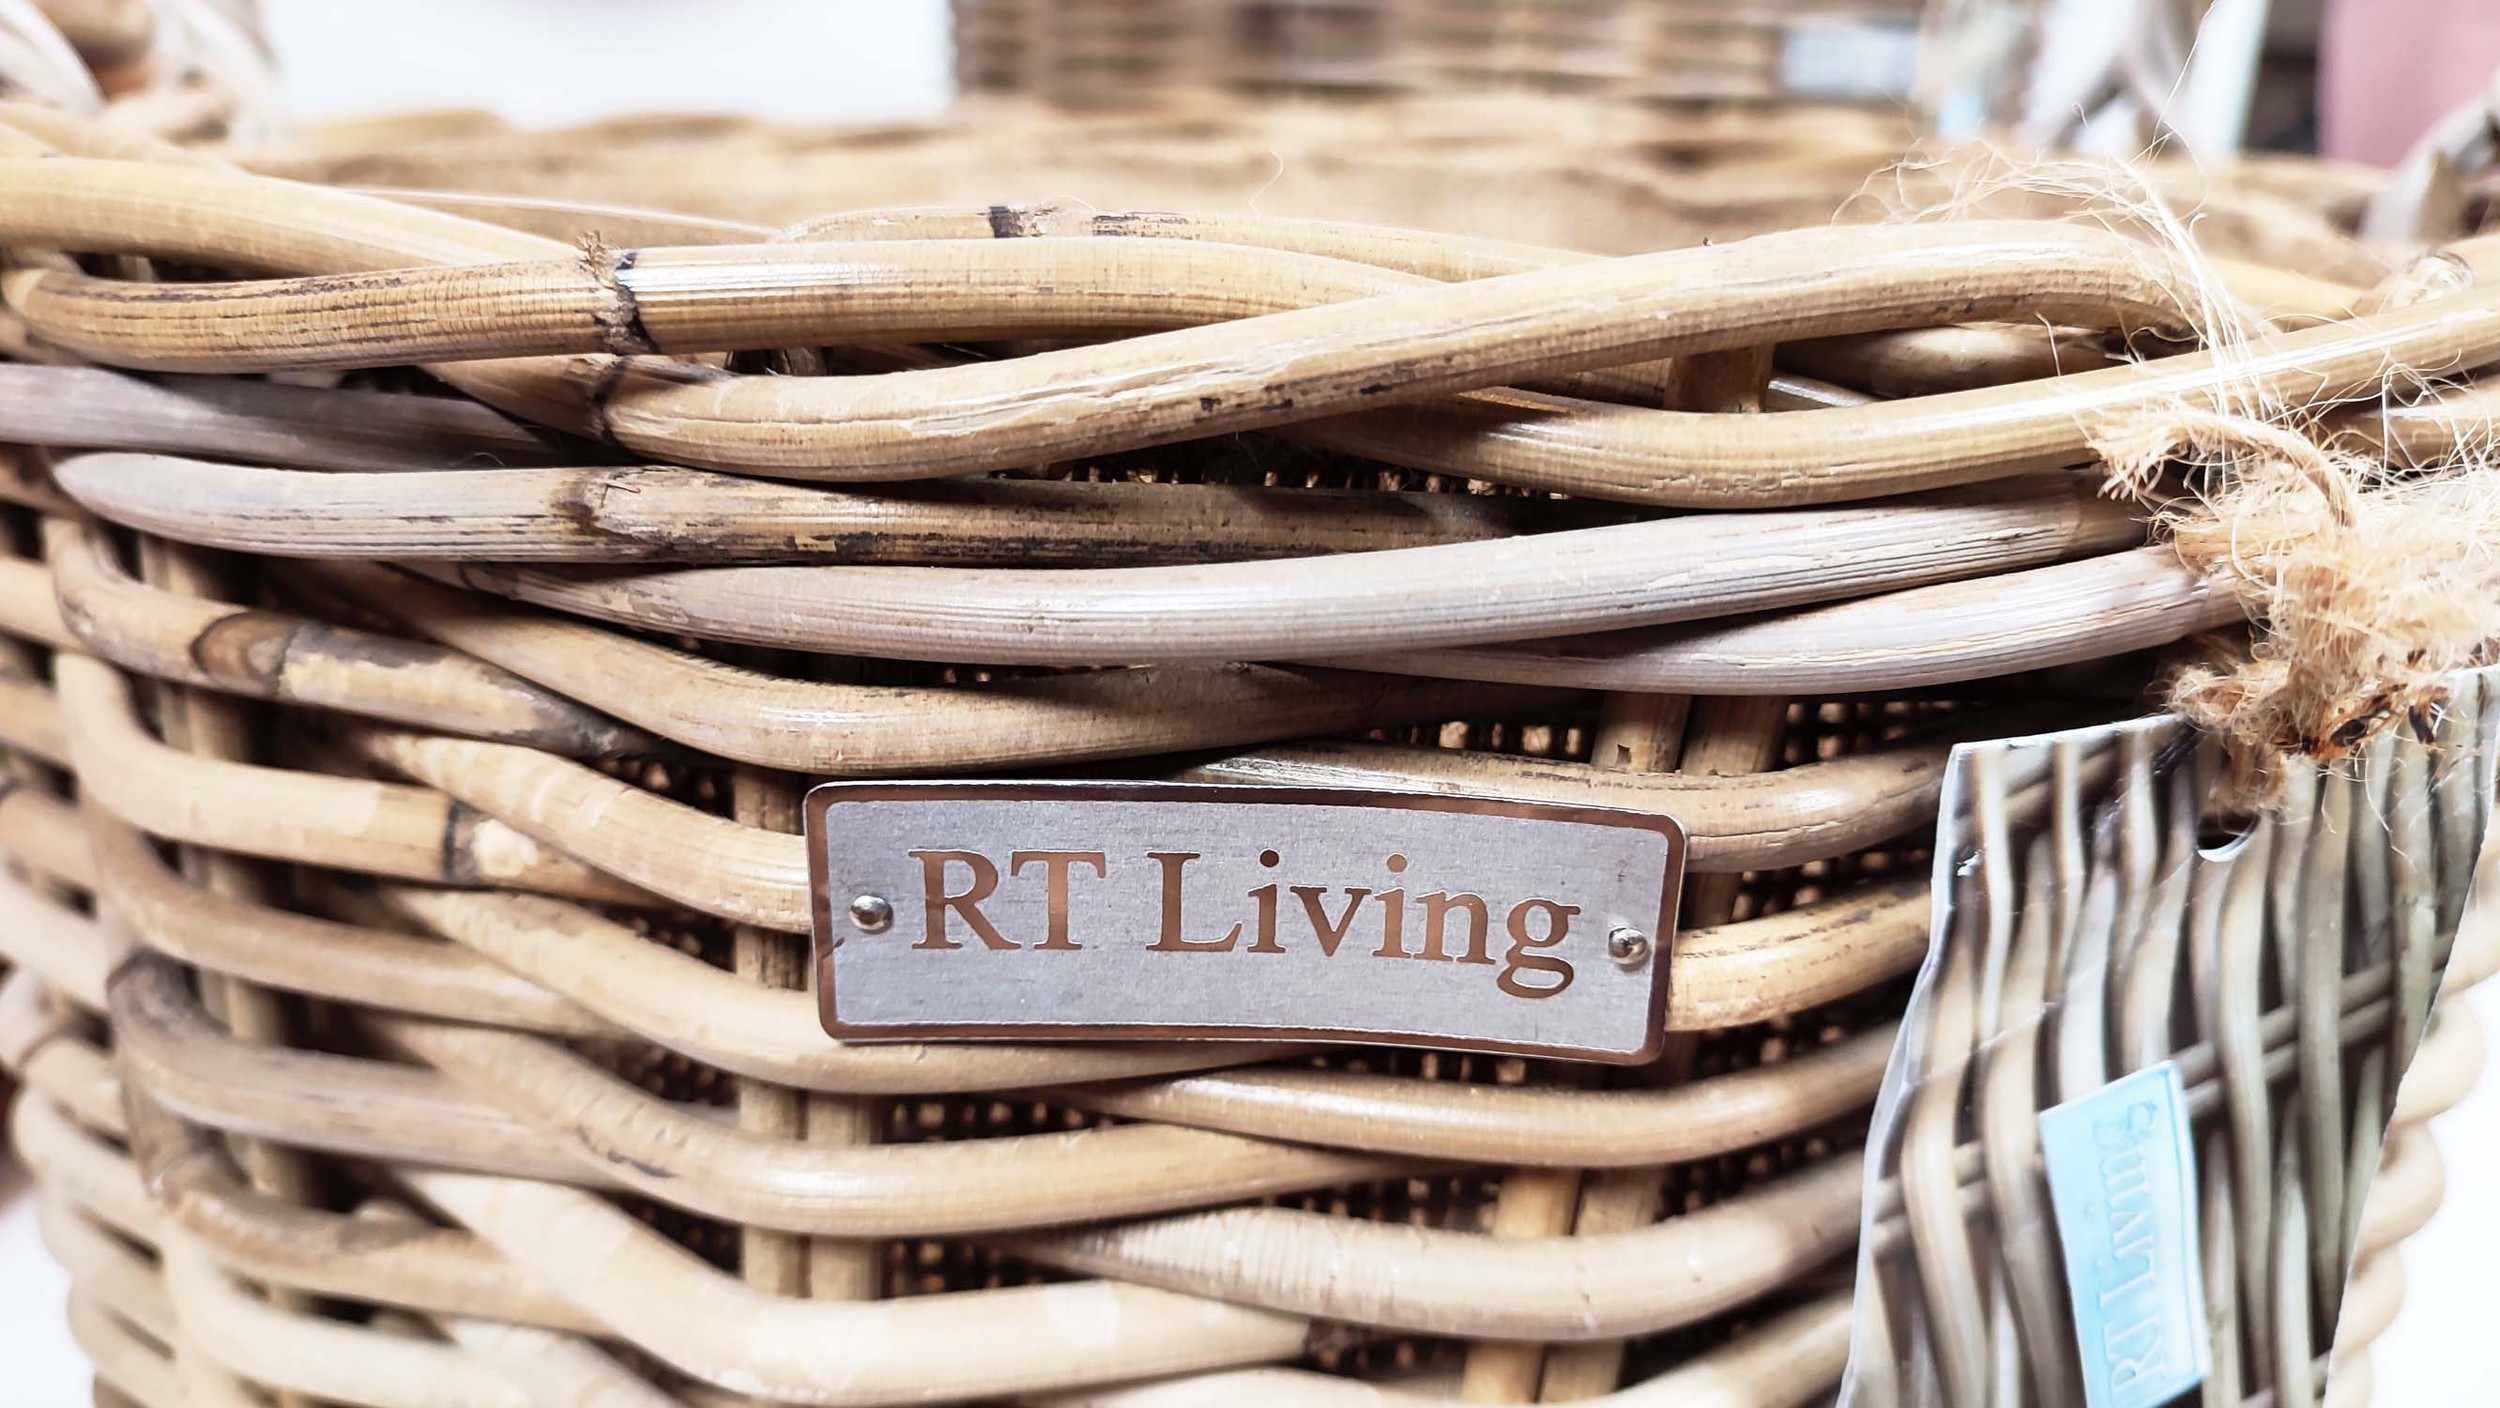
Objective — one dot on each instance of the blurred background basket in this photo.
(1091, 54)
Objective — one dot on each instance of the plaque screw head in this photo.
(1627, 946)
(872, 913)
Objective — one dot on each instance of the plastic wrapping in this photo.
(2095, 921)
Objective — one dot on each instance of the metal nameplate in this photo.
(1085, 911)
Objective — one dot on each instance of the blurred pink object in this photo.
(2388, 69)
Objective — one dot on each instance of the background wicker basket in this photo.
(1604, 177)
(411, 992)
(1094, 54)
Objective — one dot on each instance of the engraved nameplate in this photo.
(1081, 910)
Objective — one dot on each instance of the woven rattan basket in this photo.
(411, 988)
(1111, 53)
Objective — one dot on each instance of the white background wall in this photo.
(2443, 1350)
(543, 62)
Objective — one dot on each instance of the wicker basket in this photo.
(2102, 921)
(1097, 53)
(407, 908)
(1522, 167)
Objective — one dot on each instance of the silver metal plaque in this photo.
(1084, 911)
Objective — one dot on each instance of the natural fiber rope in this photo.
(2372, 584)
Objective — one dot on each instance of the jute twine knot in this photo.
(2369, 588)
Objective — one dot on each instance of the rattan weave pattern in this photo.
(406, 915)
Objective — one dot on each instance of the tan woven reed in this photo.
(1559, 173)
(406, 905)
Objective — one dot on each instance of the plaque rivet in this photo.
(872, 913)
(1627, 946)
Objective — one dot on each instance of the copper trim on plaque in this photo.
(1088, 911)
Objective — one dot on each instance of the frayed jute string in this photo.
(2369, 589)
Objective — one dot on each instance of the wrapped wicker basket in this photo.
(2102, 921)
(411, 982)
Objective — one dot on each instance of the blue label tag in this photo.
(2122, 1175)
